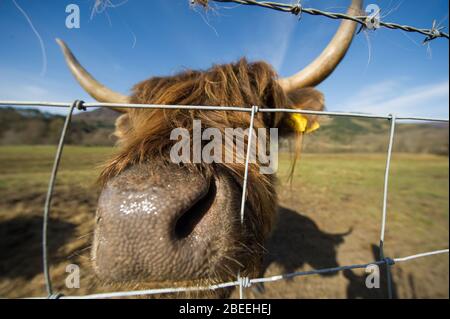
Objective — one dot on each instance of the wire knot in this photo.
(79, 104)
(297, 9)
(389, 261)
(245, 282)
(435, 32)
(371, 23)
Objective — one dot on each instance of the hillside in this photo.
(343, 134)
(29, 126)
(339, 134)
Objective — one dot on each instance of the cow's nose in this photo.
(153, 224)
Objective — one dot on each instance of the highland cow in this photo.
(182, 226)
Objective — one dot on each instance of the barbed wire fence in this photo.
(241, 282)
(365, 21)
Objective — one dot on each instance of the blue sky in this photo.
(385, 71)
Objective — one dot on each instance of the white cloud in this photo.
(394, 96)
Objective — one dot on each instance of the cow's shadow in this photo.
(296, 241)
(21, 244)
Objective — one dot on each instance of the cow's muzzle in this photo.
(159, 223)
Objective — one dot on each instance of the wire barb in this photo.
(435, 32)
(297, 9)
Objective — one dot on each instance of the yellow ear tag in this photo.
(300, 124)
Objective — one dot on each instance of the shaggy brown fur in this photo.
(144, 133)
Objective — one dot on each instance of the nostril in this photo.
(187, 222)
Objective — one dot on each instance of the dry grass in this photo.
(329, 196)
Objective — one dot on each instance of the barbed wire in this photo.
(241, 282)
(363, 20)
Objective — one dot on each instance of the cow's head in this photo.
(160, 223)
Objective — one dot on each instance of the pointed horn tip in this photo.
(97, 90)
(60, 42)
(64, 48)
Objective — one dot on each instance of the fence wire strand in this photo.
(225, 108)
(48, 199)
(242, 282)
(297, 9)
(134, 293)
(385, 199)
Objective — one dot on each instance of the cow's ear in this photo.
(305, 99)
(123, 126)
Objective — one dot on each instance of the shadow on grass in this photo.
(21, 244)
(298, 241)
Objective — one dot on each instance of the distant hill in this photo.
(101, 116)
(337, 134)
(29, 126)
(345, 134)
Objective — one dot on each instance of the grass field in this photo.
(329, 215)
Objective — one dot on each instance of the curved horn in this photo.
(95, 89)
(329, 59)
